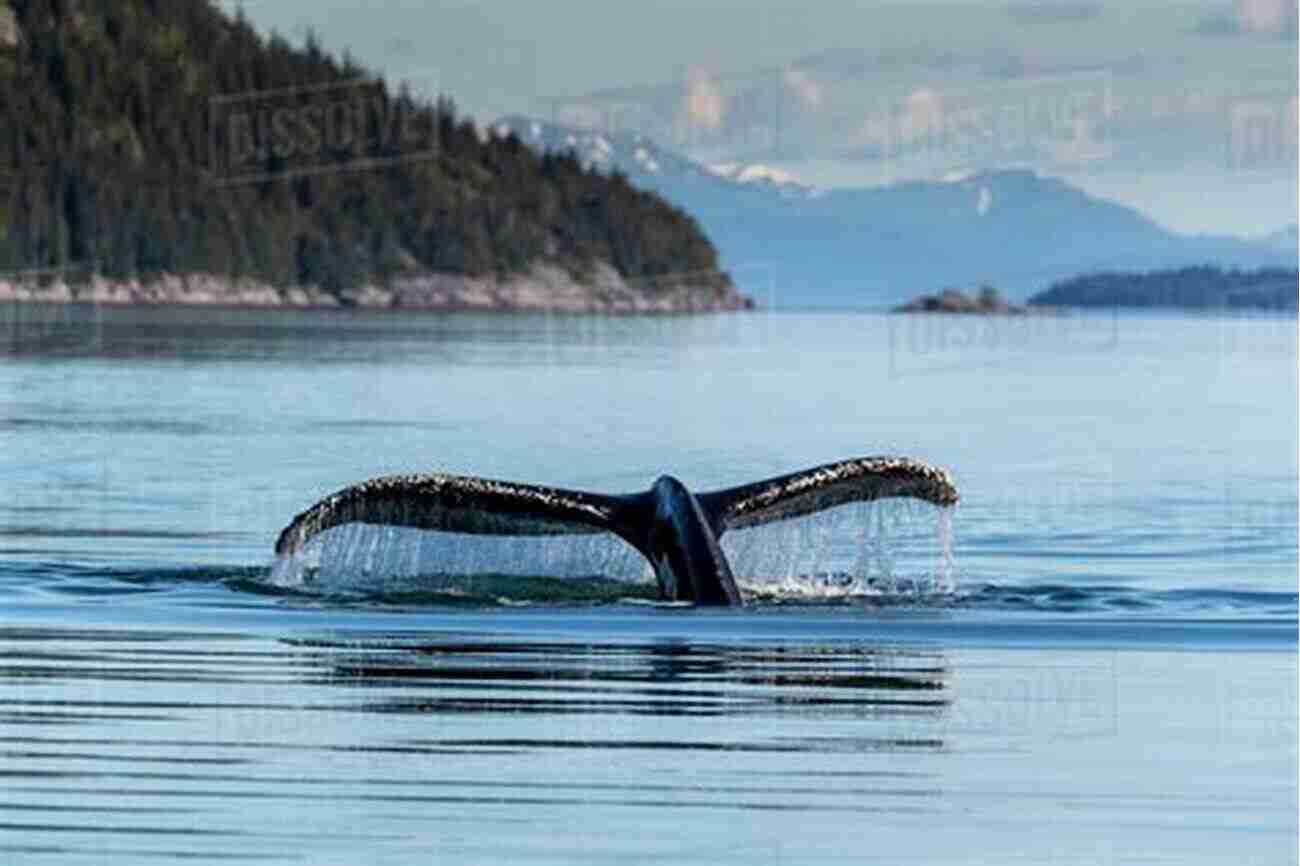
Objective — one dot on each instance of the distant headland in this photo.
(1196, 288)
(1199, 288)
(258, 172)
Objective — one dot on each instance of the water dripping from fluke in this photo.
(855, 530)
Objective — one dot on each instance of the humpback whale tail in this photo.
(676, 531)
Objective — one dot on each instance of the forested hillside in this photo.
(1194, 288)
(112, 159)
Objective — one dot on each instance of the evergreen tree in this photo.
(109, 115)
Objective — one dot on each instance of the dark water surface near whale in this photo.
(1112, 681)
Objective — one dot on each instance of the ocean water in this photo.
(1111, 677)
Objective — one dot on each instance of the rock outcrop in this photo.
(987, 302)
(10, 33)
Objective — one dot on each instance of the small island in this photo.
(986, 301)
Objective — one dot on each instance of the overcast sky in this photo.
(502, 56)
(496, 57)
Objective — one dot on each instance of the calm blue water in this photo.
(1114, 680)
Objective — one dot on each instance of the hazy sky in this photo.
(1177, 130)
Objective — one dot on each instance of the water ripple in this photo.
(387, 722)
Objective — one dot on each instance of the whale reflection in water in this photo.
(690, 542)
(450, 673)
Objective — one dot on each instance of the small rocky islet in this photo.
(985, 301)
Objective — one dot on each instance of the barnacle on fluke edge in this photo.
(675, 530)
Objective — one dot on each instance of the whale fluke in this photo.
(454, 503)
(675, 530)
(860, 480)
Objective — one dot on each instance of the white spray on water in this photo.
(369, 559)
(884, 549)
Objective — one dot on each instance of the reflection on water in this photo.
(674, 678)
(499, 737)
(391, 730)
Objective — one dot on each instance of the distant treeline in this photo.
(114, 157)
(1197, 288)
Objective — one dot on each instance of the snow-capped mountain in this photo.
(770, 177)
(794, 246)
(642, 159)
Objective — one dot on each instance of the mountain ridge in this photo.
(868, 247)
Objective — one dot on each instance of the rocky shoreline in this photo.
(543, 288)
